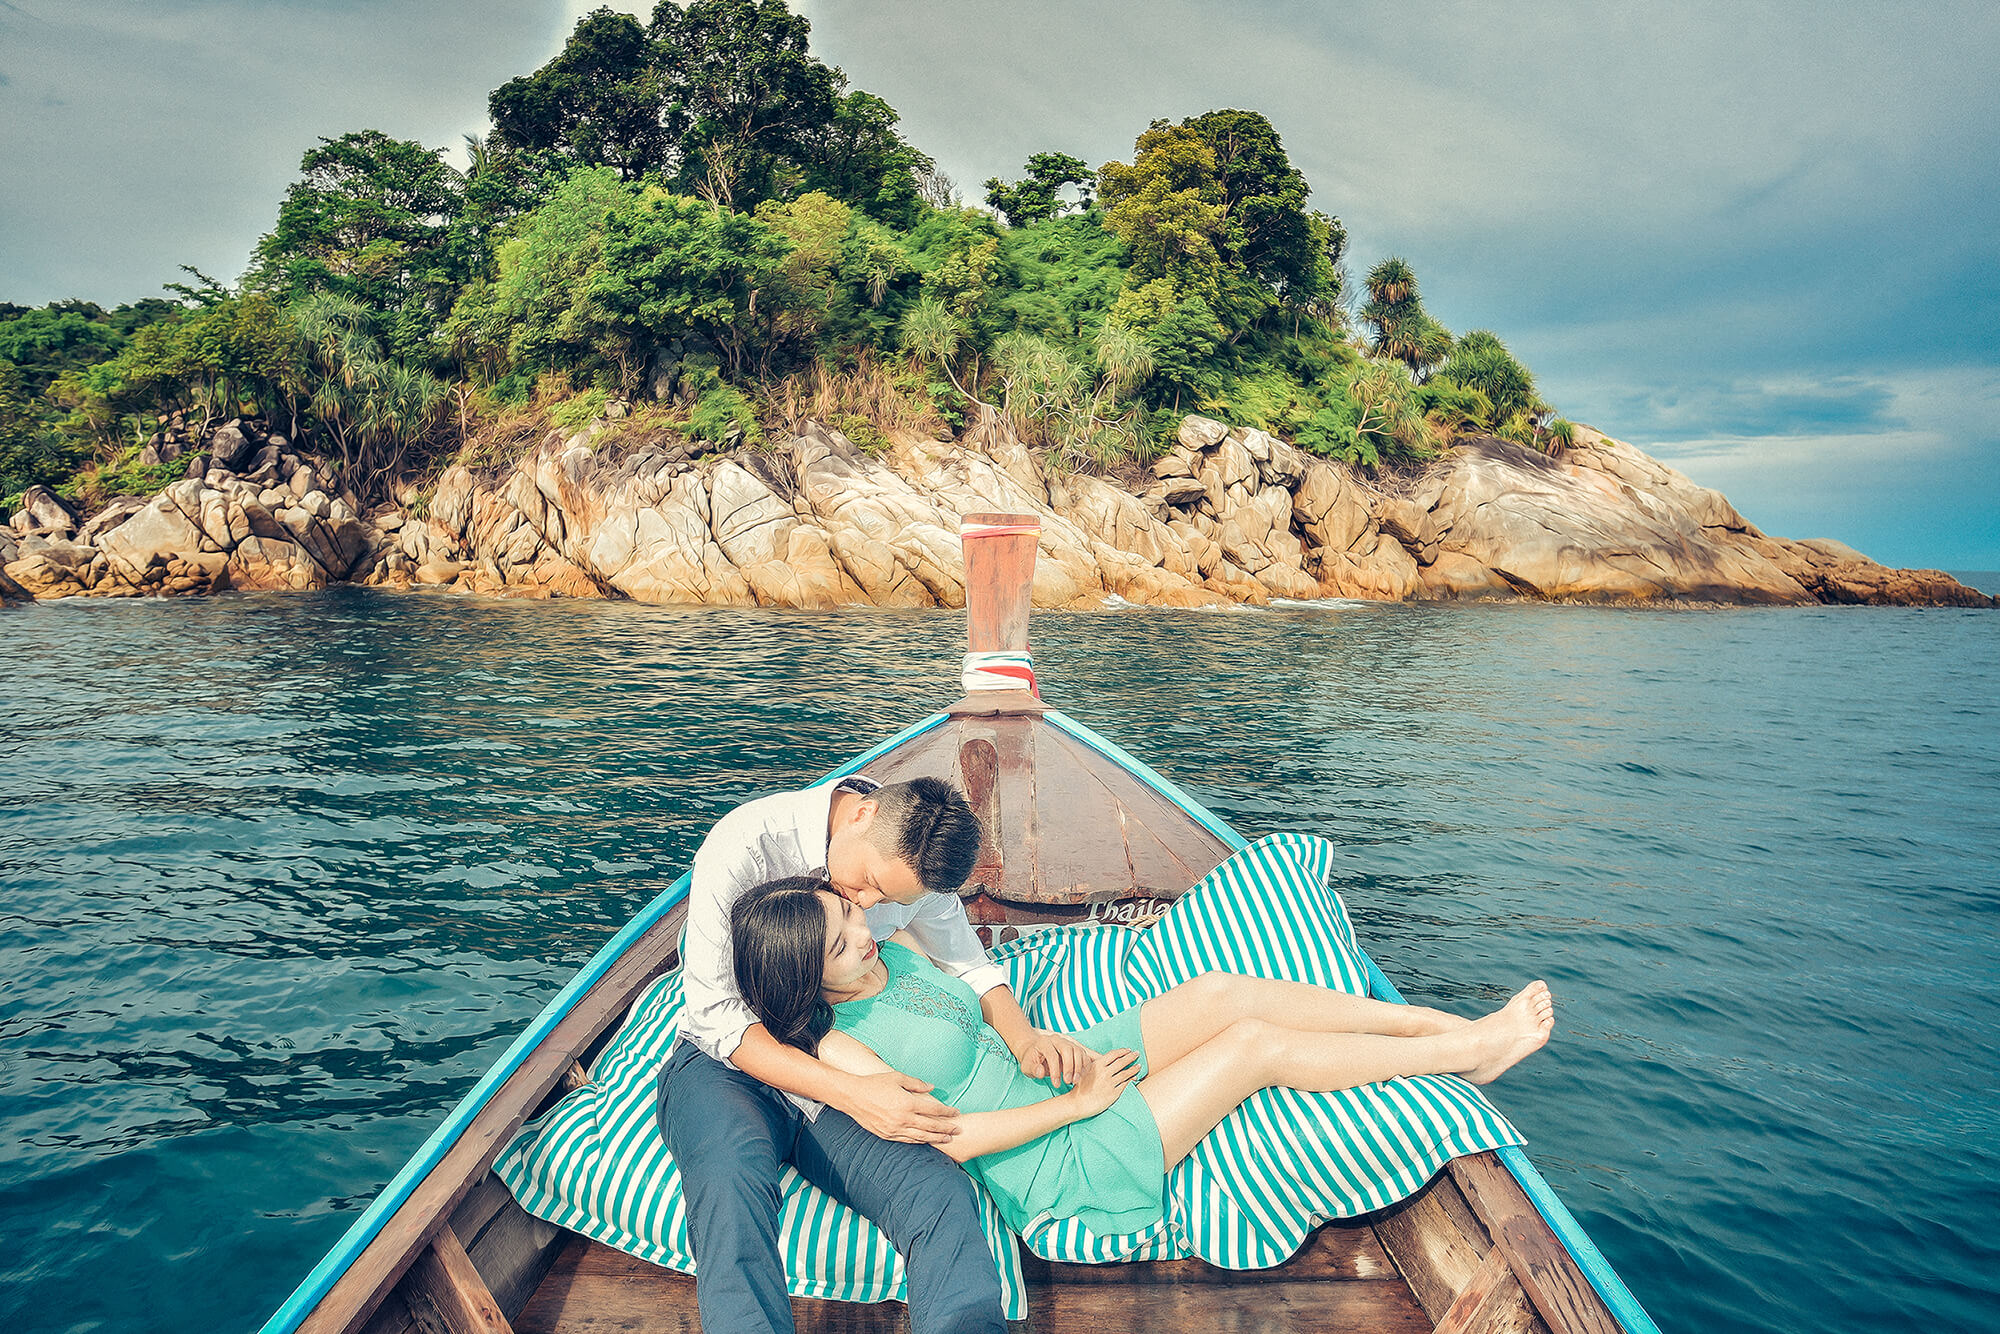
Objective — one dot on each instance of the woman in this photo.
(1168, 1071)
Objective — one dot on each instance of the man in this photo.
(736, 1105)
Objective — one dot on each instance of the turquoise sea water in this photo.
(280, 877)
(1986, 581)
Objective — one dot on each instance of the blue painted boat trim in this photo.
(1624, 1306)
(1618, 1298)
(327, 1272)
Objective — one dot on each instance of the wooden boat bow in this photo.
(1076, 830)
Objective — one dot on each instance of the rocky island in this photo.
(1229, 515)
(613, 356)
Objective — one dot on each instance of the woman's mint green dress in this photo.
(1109, 1170)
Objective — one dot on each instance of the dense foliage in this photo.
(697, 208)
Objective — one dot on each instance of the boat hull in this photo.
(1078, 830)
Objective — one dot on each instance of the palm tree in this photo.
(1392, 282)
(930, 332)
(1403, 329)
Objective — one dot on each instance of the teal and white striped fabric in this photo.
(1246, 1198)
(596, 1164)
(1286, 1161)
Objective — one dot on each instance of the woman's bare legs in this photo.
(1189, 1096)
(1177, 1022)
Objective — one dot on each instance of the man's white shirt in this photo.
(769, 839)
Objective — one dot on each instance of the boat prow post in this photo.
(999, 672)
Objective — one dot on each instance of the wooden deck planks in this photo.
(593, 1289)
(1492, 1303)
(512, 1247)
(1065, 824)
(1014, 792)
(1429, 1247)
(1166, 851)
(445, 1293)
(1081, 847)
(1380, 1306)
(1549, 1274)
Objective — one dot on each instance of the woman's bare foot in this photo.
(1512, 1032)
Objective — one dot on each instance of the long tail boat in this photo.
(1077, 830)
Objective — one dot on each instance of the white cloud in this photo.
(1752, 237)
(1915, 488)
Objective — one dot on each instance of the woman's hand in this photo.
(1100, 1082)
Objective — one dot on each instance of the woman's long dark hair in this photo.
(778, 931)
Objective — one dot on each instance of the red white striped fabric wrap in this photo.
(1005, 669)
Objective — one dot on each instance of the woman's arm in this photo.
(981, 1133)
(1056, 1057)
(1096, 1089)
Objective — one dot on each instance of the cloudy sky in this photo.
(1757, 240)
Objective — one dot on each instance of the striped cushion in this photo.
(1246, 1198)
(1285, 1161)
(596, 1164)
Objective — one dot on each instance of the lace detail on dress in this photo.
(919, 995)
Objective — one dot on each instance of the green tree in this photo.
(1319, 292)
(1059, 279)
(602, 102)
(62, 336)
(1054, 399)
(376, 412)
(1215, 207)
(1038, 197)
(1481, 362)
(1186, 341)
(235, 354)
(932, 334)
(1169, 210)
(723, 99)
(370, 219)
(817, 226)
(957, 252)
(1389, 420)
(31, 451)
(742, 78)
(1403, 330)
(674, 265)
(1268, 234)
(859, 158)
(1559, 438)
(128, 319)
(539, 313)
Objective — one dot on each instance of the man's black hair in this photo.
(926, 824)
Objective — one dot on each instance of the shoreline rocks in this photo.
(271, 527)
(1228, 515)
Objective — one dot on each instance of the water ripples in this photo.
(283, 875)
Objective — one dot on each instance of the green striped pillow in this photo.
(1246, 1198)
(1285, 1161)
(596, 1164)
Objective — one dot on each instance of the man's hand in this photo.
(1054, 1057)
(896, 1107)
